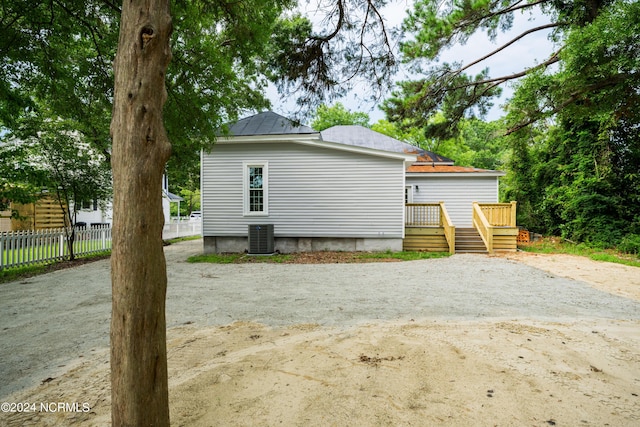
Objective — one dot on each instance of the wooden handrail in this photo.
(500, 214)
(449, 228)
(483, 226)
(489, 216)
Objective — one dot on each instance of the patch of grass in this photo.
(616, 258)
(16, 273)
(24, 271)
(182, 239)
(553, 245)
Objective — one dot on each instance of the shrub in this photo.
(630, 244)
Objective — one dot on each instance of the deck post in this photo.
(513, 214)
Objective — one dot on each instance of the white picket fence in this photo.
(18, 248)
(182, 229)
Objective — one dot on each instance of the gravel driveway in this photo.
(49, 322)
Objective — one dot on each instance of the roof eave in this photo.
(455, 174)
(254, 139)
(362, 150)
(313, 139)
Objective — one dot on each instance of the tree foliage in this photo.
(582, 180)
(572, 127)
(436, 26)
(59, 54)
(326, 117)
(319, 66)
(57, 161)
(578, 180)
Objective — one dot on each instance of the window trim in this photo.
(246, 165)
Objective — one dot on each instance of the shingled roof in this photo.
(267, 123)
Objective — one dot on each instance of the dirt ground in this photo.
(415, 373)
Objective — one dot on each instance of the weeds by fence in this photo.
(18, 248)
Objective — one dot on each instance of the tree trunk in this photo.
(139, 387)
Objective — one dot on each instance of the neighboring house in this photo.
(167, 199)
(93, 212)
(47, 213)
(344, 188)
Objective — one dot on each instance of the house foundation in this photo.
(230, 244)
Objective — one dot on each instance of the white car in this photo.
(195, 216)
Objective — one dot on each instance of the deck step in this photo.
(468, 240)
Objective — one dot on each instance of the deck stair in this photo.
(468, 240)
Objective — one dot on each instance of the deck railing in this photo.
(431, 215)
(27, 247)
(499, 214)
(422, 215)
(489, 216)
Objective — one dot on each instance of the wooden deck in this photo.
(428, 227)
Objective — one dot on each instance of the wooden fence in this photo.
(18, 248)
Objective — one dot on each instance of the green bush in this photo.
(630, 244)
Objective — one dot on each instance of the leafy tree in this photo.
(319, 66)
(18, 182)
(191, 203)
(572, 126)
(59, 54)
(58, 160)
(579, 180)
(326, 117)
(435, 26)
(480, 144)
(583, 185)
(412, 135)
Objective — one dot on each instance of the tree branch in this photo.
(509, 43)
(573, 97)
(336, 31)
(552, 60)
(509, 9)
(113, 6)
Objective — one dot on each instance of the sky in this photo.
(527, 52)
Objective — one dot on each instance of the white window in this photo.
(255, 186)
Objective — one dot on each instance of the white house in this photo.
(431, 178)
(344, 188)
(93, 212)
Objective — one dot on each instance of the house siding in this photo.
(458, 193)
(312, 192)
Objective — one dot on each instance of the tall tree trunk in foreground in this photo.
(139, 387)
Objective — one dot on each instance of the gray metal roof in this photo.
(173, 197)
(364, 137)
(267, 123)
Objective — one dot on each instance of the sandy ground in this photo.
(518, 371)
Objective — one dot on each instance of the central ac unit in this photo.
(261, 239)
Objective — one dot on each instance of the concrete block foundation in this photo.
(285, 245)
